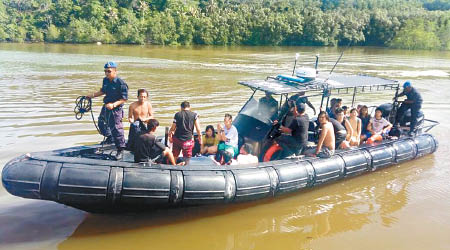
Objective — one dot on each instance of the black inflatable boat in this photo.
(86, 178)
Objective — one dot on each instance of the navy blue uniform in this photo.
(415, 107)
(110, 121)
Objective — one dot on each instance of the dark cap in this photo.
(300, 107)
(110, 65)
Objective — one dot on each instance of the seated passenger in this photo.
(228, 137)
(365, 119)
(345, 109)
(342, 130)
(296, 142)
(355, 123)
(148, 148)
(138, 115)
(378, 126)
(326, 144)
(245, 155)
(209, 139)
(333, 106)
(268, 105)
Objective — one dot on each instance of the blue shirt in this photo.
(413, 95)
(115, 90)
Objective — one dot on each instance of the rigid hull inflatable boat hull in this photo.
(90, 184)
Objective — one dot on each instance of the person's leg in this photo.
(414, 113)
(374, 138)
(212, 149)
(187, 150)
(103, 122)
(339, 137)
(177, 145)
(168, 154)
(399, 118)
(133, 134)
(116, 127)
(288, 145)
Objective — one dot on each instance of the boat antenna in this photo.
(295, 63)
(331, 72)
(339, 59)
(317, 64)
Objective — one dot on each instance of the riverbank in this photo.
(420, 24)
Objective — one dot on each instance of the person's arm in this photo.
(199, 132)
(221, 133)
(95, 94)
(369, 127)
(321, 139)
(349, 129)
(113, 105)
(358, 128)
(172, 131)
(285, 129)
(130, 114)
(387, 128)
(311, 106)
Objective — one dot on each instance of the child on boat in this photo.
(378, 126)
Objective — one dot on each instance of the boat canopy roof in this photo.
(285, 84)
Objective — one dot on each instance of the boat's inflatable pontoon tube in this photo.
(91, 186)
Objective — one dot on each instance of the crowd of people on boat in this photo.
(339, 128)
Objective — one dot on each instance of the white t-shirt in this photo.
(247, 159)
(231, 135)
(244, 159)
(378, 125)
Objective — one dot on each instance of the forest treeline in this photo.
(408, 24)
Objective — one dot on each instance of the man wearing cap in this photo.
(413, 101)
(110, 119)
(296, 142)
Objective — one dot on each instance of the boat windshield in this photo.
(261, 111)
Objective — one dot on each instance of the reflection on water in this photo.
(292, 221)
(378, 210)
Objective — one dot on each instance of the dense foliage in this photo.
(411, 24)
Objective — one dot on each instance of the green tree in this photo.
(416, 34)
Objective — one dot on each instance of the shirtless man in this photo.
(325, 146)
(142, 109)
(138, 114)
(355, 123)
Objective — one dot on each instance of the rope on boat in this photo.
(83, 104)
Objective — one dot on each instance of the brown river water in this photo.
(405, 206)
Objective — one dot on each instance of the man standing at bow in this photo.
(110, 119)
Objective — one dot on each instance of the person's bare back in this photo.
(328, 136)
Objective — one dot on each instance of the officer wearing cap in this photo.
(295, 143)
(110, 119)
(413, 101)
